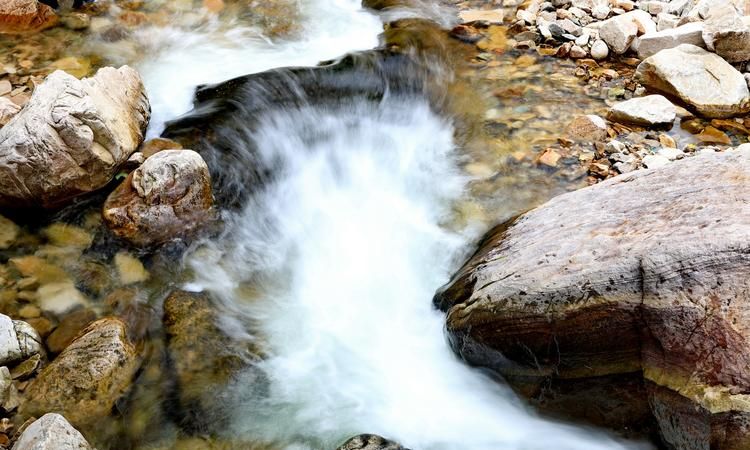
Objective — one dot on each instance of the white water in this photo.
(347, 250)
(352, 230)
(181, 59)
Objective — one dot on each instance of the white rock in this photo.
(665, 21)
(670, 153)
(652, 43)
(677, 7)
(600, 11)
(599, 50)
(18, 340)
(10, 350)
(649, 110)
(51, 432)
(654, 161)
(29, 340)
(701, 79)
(586, 5)
(8, 109)
(619, 32)
(727, 34)
(583, 39)
(85, 128)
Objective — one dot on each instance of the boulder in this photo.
(727, 34)
(203, 361)
(643, 276)
(708, 83)
(84, 128)
(51, 432)
(25, 16)
(18, 340)
(649, 111)
(87, 378)
(652, 43)
(620, 31)
(369, 442)
(169, 196)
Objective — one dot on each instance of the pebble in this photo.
(599, 50)
(550, 158)
(655, 161)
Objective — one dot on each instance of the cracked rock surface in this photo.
(71, 138)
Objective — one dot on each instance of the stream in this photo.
(350, 244)
(333, 263)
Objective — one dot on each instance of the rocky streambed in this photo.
(144, 280)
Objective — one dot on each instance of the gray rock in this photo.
(51, 432)
(369, 442)
(648, 111)
(85, 128)
(726, 34)
(708, 83)
(652, 43)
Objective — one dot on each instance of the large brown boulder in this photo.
(25, 16)
(642, 277)
(88, 377)
(204, 362)
(169, 196)
(71, 137)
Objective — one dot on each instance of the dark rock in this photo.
(370, 442)
(222, 123)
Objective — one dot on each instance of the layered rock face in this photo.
(71, 137)
(25, 16)
(168, 196)
(644, 275)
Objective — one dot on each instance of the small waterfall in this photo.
(336, 258)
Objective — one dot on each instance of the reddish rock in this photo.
(643, 276)
(25, 16)
(167, 197)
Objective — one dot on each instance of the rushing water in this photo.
(347, 246)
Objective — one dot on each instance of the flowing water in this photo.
(349, 243)
(344, 249)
